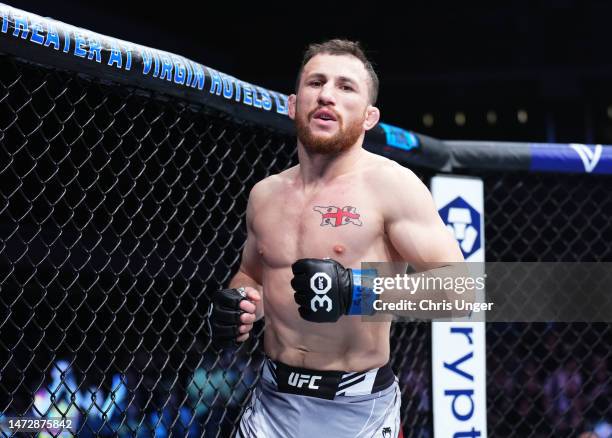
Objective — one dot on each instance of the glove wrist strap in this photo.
(363, 295)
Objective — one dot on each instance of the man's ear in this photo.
(291, 101)
(372, 117)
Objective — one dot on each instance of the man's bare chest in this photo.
(340, 223)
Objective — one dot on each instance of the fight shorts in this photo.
(290, 402)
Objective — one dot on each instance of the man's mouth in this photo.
(325, 116)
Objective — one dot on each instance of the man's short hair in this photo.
(342, 47)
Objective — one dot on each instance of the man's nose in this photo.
(326, 95)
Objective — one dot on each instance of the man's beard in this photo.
(342, 140)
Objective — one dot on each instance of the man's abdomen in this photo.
(348, 344)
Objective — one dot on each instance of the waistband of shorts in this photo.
(326, 384)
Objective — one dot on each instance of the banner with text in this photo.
(458, 348)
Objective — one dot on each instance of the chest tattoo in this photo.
(336, 216)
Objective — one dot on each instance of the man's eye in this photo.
(315, 83)
(346, 88)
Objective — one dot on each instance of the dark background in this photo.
(549, 58)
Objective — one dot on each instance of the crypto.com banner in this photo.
(458, 348)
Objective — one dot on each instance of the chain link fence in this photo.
(122, 210)
(548, 380)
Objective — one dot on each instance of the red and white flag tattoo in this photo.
(336, 216)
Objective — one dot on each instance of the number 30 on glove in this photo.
(325, 290)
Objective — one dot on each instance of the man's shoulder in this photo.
(389, 174)
(397, 189)
(270, 185)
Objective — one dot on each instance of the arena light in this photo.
(491, 117)
(460, 118)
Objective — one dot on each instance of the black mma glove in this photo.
(325, 290)
(224, 316)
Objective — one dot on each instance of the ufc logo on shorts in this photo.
(299, 380)
(320, 284)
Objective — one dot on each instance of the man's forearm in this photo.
(243, 280)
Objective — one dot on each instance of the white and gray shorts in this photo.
(298, 402)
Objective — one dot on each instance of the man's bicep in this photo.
(416, 230)
(424, 245)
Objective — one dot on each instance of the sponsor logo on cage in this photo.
(320, 284)
(461, 396)
(463, 221)
(572, 158)
(590, 157)
(299, 380)
(399, 138)
(386, 432)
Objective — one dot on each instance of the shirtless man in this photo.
(327, 373)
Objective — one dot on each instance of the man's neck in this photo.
(322, 168)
